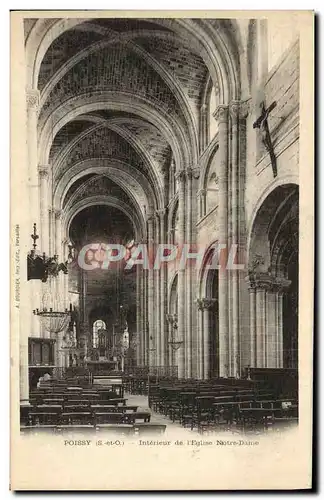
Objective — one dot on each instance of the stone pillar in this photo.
(35, 286)
(253, 360)
(234, 112)
(58, 234)
(280, 329)
(221, 116)
(191, 271)
(157, 290)
(138, 314)
(43, 173)
(145, 318)
(163, 296)
(171, 179)
(202, 202)
(150, 293)
(181, 178)
(32, 117)
(271, 334)
(200, 345)
(142, 318)
(204, 128)
(206, 343)
(261, 325)
(189, 277)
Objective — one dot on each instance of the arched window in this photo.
(97, 325)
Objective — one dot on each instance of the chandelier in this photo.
(173, 320)
(53, 316)
(41, 267)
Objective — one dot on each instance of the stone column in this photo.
(32, 117)
(138, 314)
(206, 342)
(234, 111)
(35, 286)
(261, 325)
(189, 276)
(181, 178)
(202, 202)
(253, 360)
(58, 234)
(191, 271)
(163, 296)
(169, 185)
(200, 345)
(43, 173)
(142, 322)
(221, 116)
(157, 290)
(150, 293)
(271, 334)
(280, 329)
(145, 318)
(204, 128)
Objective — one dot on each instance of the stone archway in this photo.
(273, 280)
(208, 321)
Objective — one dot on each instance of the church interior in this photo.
(149, 133)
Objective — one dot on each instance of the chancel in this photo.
(146, 137)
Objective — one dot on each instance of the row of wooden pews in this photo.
(223, 404)
(63, 408)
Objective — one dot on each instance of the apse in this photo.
(100, 224)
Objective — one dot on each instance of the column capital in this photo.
(205, 303)
(193, 173)
(160, 212)
(43, 170)
(221, 113)
(32, 98)
(265, 281)
(57, 213)
(239, 110)
(180, 175)
(150, 218)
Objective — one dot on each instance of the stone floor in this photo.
(156, 418)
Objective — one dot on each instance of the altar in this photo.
(102, 367)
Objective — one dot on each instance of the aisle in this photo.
(156, 418)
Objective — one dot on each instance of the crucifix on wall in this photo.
(262, 124)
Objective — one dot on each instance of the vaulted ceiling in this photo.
(119, 99)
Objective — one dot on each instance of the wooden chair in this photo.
(126, 408)
(53, 401)
(140, 415)
(70, 408)
(116, 429)
(34, 430)
(76, 418)
(109, 418)
(105, 409)
(43, 418)
(71, 430)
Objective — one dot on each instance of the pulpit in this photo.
(41, 358)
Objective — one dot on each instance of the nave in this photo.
(160, 137)
(134, 406)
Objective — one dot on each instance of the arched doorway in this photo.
(273, 280)
(208, 321)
